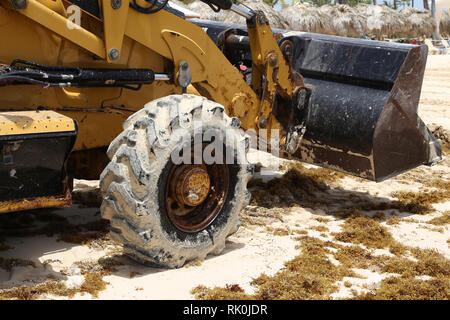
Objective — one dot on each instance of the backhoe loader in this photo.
(131, 93)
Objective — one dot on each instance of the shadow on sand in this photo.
(290, 190)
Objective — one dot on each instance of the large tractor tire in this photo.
(166, 213)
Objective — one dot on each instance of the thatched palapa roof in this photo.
(306, 17)
(382, 20)
(180, 6)
(444, 25)
(341, 20)
(420, 22)
(345, 20)
(275, 18)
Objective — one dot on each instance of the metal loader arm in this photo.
(272, 74)
(274, 80)
(162, 32)
(181, 41)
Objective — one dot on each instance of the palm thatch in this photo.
(275, 18)
(180, 6)
(308, 18)
(444, 25)
(382, 20)
(421, 22)
(203, 10)
(345, 20)
(178, 3)
(342, 20)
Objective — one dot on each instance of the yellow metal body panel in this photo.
(114, 26)
(44, 34)
(28, 122)
(64, 28)
(97, 110)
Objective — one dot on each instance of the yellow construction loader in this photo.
(134, 94)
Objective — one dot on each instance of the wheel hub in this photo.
(195, 195)
(192, 185)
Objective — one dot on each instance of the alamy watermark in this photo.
(73, 17)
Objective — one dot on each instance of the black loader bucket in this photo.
(362, 115)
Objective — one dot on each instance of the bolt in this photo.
(114, 54)
(116, 4)
(273, 60)
(19, 4)
(184, 65)
(288, 51)
(262, 20)
(263, 123)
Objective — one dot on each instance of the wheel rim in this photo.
(195, 195)
(190, 184)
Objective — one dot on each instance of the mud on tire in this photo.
(135, 182)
